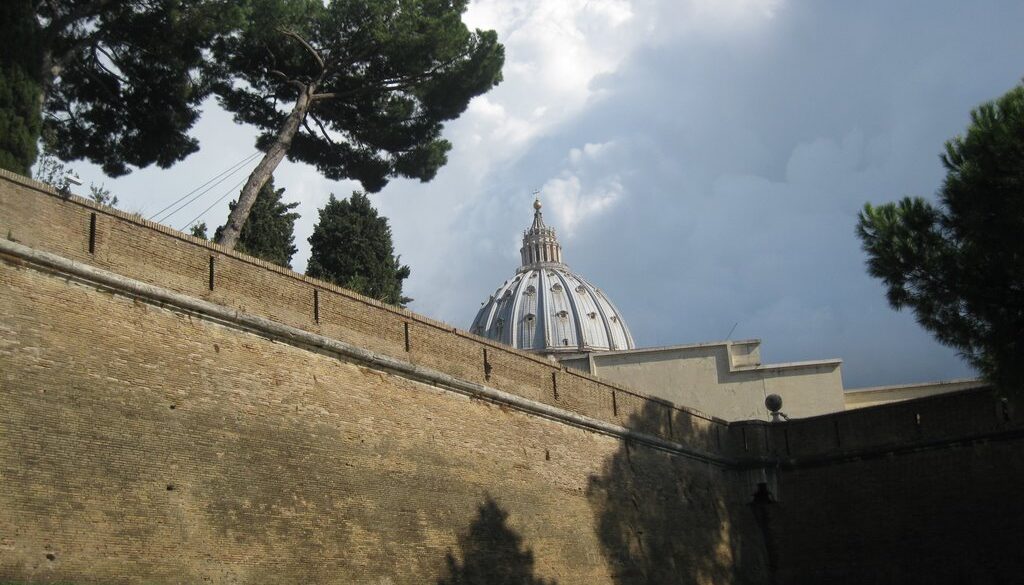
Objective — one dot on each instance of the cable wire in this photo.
(219, 199)
(222, 176)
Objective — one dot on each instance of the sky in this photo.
(703, 162)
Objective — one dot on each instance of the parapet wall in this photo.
(36, 216)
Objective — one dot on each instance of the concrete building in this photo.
(548, 309)
(724, 379)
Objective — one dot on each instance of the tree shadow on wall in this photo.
(492, 553)
(665, 518)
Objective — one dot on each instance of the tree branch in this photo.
(98, 47)
(83, 11)
(287, 80)
(322, 129)
(393, 83)
(307, 46)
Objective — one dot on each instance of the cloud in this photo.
(582, 191)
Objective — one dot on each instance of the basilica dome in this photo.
(546, 307)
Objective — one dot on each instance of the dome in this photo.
(548, 308)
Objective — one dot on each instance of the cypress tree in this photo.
(269, 232)
(352, 247)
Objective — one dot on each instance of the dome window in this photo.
(565, 342)
(530, 317)
(530, 290)
(563, 314)
(592, 314)
(581, 289)
(556, 287)
(533, 275)
(615, 319)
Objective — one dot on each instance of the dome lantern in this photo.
(540, 245)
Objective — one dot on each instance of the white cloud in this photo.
(590, 151)
(583, 191)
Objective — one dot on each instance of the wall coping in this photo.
(805, 364)
(939, 383)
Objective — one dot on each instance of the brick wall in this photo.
(141, 442)
(36, 216)
(153, 445)
(144, 443)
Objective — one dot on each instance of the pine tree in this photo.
(352, 247)
(269, 233)
(360, 89)
(960, 264)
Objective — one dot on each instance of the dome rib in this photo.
(609, 338)
(581, 339)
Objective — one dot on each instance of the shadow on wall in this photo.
(666, 518)
(492, 553)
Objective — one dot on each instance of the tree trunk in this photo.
(275, 154)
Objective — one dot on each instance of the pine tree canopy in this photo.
(352, 247)
(382, 76)
(269, 233)
(960, 264)
(117, 83)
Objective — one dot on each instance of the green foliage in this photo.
(268, 233)
(960, 264)
(101, 195)
(382, 77)
(117, 83)
(52, 171)
(19, 87)
(199, 230)
(352, 247)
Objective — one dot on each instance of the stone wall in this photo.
(35, 216)
(171, 412)
(147, 436)
(924, 491)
